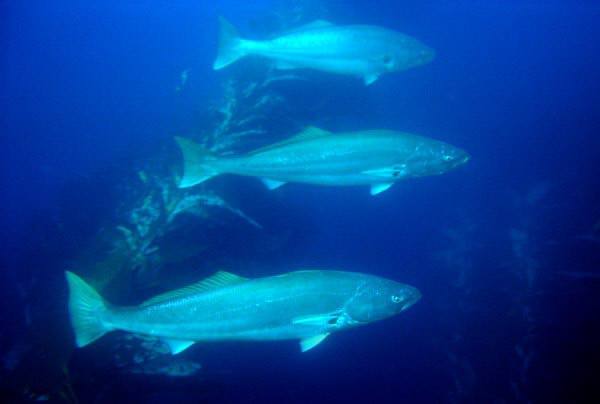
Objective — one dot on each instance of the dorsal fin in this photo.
(310, 132)
(311, 25)
(216, 281)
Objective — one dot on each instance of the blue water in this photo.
(504, 250)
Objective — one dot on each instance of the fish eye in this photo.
(387, 60)
(396, 299)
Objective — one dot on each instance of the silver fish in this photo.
(373, 157)
(356, 50)
(304, 305)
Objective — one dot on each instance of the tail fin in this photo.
(87, 308)
(196, 163)
(230, 48)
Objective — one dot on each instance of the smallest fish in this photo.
(356, 50)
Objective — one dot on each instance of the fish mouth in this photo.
(461, 157)
(414, 295)
(428, 55)
(464, 158)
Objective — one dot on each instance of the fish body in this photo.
(356, 50)
(305, 305)
(373, 157)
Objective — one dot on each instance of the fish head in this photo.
(405, 53)
(452, 157)
(380, 298)
(433, 158)
(428, 157)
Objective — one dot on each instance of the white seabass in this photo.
(303, 305)
(377, 158)
(357, 50)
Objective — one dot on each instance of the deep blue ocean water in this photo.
(505, 250)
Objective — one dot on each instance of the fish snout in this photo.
(462, 157)
(406, 297)
(455, 157)
(414, 295)
(426, 54)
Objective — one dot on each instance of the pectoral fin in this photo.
(387, 172)
(379, 188)
(317, 321)
(272, 184)
(311, 342)
(176, 346)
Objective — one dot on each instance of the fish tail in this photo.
(87, 309)
(230, 45)
(197, 161)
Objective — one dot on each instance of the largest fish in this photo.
(373, 157)
(304, 305)
(357, 50)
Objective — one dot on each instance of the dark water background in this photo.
(504, 250)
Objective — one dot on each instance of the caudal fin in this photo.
(230, 45)
(87, 309)
(197, 161)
